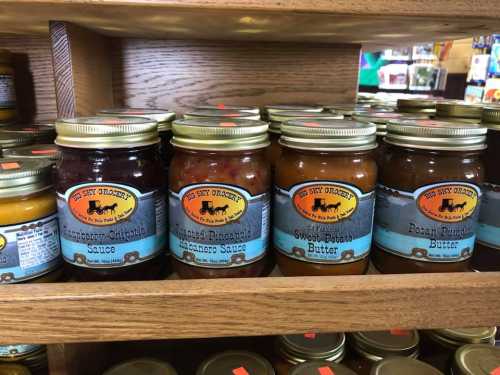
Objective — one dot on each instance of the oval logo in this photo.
(102, 205)
(214, 205)
(3, 242)
(325, 203)
(448, 203)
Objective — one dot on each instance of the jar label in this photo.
(488, 231)
(106, 225)
(435, 223)
(7, 91)
(323, 222)
(216, 225)
(18, 350)
(29, 249)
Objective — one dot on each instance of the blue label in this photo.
(488, 232)
(435, 223)
(29, 250)
(323, 222)
(217, 225)
(105, 225)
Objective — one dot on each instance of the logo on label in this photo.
(325, 203)
(102, 205)
(3, 242)
(448, 203)
(214, 205)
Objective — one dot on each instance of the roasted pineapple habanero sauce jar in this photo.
(428, 197)
(324, 196)
(111, 202)
(219, 198)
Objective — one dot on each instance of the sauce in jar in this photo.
(142, 366)
(236, 363)
(486, 255)
(219, 198)
(220, 114)
(41, 133)
(403, 366)
(476, 360)
(320, 368)
(39, 151)
(292, 350)
(458, 111)
(111, 200)
(324, 196)
(426, 213)
(13, 369)
(7, 88)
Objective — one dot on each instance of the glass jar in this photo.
(7, 88)
(10, 140)
(476, 360)
(277, 118)
(324, 196)
(236, 363)
(219, 198)
(31, 358)
(427, 106)
(486, 255)
(458, 111)
(38, 151)
(426, 213)
(239, 108)
(439, 346)
(368, 348)
(292, 350)
(320, 368)
(13, 369)
(220, 114)
(111, 199)
(142, 366)
(41, 133)
(406, 366)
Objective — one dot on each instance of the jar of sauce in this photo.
(324, 197)
(142, 366)
(219, 198)
(7, 88)
(236, 363)
(10, 140)
(368, 348)
(458, 111)
(41, 133)
(277, 118)
(239, 108)
(427, 106)
(426, 213)
(292, 350)
(403, 366)
(111, 198)
(38, 151)
(220, 114)
(439, 346)
(476, 360)
(32, 359)
(320, 368)
(486, 255)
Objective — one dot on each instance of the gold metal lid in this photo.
(462, 336)
(459, 109)
(224, 364)
(380, 344)
(106, 132)
(311, 346)
(5, 56)
(328, 135)
(240, 108)
(38, 151)
(476, 359)
(15, 139)
(220, 135)
(277, 118)
(163, 117)
(384, 117)
(320, 367)
(491, 117)
(13, 369)
(417, 103)
(218, 114)
(142, 366)
(292, 107)
(347, 109)
(38, 131)
(436, 135)
(24, 176)
(403, 366)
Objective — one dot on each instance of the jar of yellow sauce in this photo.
(7, 88)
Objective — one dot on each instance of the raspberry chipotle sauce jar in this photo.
(111, 203)
(219, 198)
(324, 197)
(429, 196)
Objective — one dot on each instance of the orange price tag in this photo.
(313, 124)
(495, 371)
(240, 371)
(227, 124)
(221, 106)
(399, 332)
(310, 335)
(7, 166)
(42, 152)
(325, 371)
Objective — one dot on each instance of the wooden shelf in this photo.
(88, 312)
(368, 22)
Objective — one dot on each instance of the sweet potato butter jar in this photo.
(324, 197)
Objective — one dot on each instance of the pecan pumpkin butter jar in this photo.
(429, 196)
(219, 198)
(324, 197)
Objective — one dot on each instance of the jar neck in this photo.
(217, 152)
(395, 148)
(327, 153)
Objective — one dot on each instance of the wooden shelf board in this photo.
(76, 312)
(369, 22)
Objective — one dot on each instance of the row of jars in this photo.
(111, 206)
(446, 351)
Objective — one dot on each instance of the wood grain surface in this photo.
(36, 99)
(181, 74)
(82, 69)
(76, 312)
